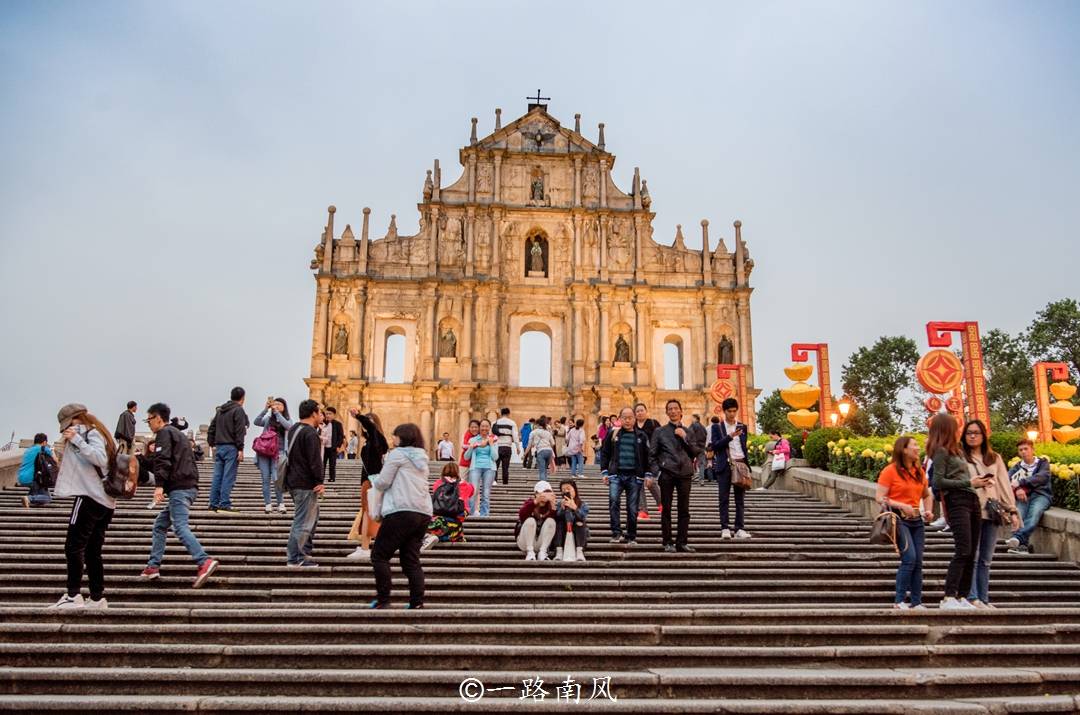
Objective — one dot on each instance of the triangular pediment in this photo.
(537, 120)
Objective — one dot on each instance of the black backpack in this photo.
(447, 502)
(45, 470)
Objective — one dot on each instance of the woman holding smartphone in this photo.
(482, 452)
(988, 468)
(952, 479)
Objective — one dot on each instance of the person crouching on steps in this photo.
(536, 517)
(570, 517)
(449, 506)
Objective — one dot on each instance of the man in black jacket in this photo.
(226, 435)
(672, 451)
(337, 441)
(728, 441)
(177, 479)
(304, 480)
(624, 465)
(125, 428)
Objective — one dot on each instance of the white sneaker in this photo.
(938, 523)
(558, 553)
(530, 556)
(580, 554)
(920, 607)
(950, 604)
(281, 507)
(742, 534)
(725, 534)
(902, 606)
(1012, 543)
(91, 603)
(360, 554)
(967, 605)
(981, 605)
(267, 508)
(760, 489)
(542, 555)
(429, 541)
(67, 601)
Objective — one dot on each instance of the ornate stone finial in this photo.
(366, 210)
(646, 200)
(391, 232)
(498, 119)
(577, 123)
(738, 223)
(680, 242)
(472, 135)
(331, 209)
(601, 142)
(705, 236)
(429, 186)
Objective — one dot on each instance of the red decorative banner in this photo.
(723, 375)
(939, 335)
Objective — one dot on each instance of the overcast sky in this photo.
(166, 166)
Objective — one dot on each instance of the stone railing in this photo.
(10, 461)
(1058, 533)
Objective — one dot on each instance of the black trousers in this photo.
(402, 532)
(82, 548)
(669, 485)
(330, 458)
(504, 462)
(580, 531)
(726, 488)
(965, 520)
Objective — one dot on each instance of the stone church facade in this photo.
(533, 237)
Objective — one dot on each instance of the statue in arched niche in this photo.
(537, 259)
(622, 349)
(448, 344)
(341, 341)
(726, 351)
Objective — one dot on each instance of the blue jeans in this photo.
(980, 582)
(175, 514)
(268, 469)
(481, 479)
(1030, 513)
(543, 457)
(577, 464)
(224, 476)
(39, 496)
(305, 517)
(631, 485)
(909, 576)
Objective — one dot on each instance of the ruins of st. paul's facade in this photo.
(533, 237)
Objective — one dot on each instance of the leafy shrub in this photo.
(1004, 443)
(816, 448)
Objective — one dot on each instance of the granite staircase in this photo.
(797, 619)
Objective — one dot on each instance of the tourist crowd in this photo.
(401, 513)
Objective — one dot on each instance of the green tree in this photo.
(1009, 388)
(772, 414)
(1054, 335)
(876, 378)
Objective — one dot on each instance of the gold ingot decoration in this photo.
(1064, 413)
(805, 419)
(1062, 390)
(799, 372)
(801, 395)
(1064, 435)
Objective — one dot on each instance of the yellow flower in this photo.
(841, 443)
(879, 455)
(867, 453)
(847, 450)
(832, 444)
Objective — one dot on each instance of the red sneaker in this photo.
(643, 515)
(150, 573)
(208, 567)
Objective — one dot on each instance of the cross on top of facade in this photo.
(536, 101)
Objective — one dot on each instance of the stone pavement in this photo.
(797, 619)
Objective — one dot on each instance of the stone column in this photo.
(361, 324)
(639, 264)
(740, 256)
(472, 175)
(605, 347)
(579, 327)
(467, 321)
(328, 240)
(746, 346)
(364, 242)
(602, 260)
(426, 425)
(428, 349)
(433, 245)
(576, 269)
(577, 181)
(470, 245)
(496, 243)
(603, 183)
(496, 195)
(706, 267)
(706, 311)
(322, 318)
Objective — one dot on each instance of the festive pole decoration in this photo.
(939, 335)
(800, 353)
(1062, 413)
(724, 388)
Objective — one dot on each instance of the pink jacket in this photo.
(783, 447)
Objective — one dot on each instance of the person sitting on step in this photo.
(1030, 481)
(780, 453)
(449, 506)
(536, 518)
(570, 517)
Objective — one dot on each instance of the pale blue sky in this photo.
(166, 166)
